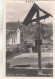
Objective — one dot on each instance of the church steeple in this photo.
(18, 24)
(18, 33)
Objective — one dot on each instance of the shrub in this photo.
(8, 53)
(49, 65)
(15, 50)
(7, 65)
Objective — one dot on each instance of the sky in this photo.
(18, 10)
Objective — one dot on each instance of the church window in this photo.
(12, 40)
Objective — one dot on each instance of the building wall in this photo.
(18, 36)
(14, 38)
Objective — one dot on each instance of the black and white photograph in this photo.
(29, 39)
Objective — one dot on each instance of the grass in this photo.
(30, 59)
(27, 61)
(29, 72)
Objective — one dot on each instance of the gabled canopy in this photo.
(35, 8)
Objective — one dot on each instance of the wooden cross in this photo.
(35, 9)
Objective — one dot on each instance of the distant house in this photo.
(12, 34)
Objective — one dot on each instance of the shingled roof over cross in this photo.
(33, 10)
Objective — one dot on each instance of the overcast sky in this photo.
(19, 10)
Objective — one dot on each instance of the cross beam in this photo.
(32, 12)
(40, 18)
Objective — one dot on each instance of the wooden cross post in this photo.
(28, 19)
(39, 46)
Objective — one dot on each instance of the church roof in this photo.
(12, 25)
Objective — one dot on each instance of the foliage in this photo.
(16, 50)
(31, 32)
(8, 53)
(49, 65)
(7, 65)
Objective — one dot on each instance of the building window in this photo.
(13, 40)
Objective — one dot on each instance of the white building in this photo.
(12, 35)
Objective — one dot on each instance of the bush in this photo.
(8, 53)
(7, 65)
(15, 50)
(49, 65)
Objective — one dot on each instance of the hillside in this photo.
(30, 33)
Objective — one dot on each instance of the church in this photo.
(12, 34)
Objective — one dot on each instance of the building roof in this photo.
(35, 9)
(9, 33)
(12, 25)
